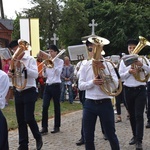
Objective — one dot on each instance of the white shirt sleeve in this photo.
(4, 86)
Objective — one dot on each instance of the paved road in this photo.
(70, 133)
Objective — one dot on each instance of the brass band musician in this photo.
(135, 94)
(26, 96)
(52, 90)
(97, 102)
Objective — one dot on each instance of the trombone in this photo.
(48, 61)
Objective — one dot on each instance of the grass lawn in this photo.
(10, 114)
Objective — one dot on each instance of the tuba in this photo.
(133, 57)
(109, 87)
(17, 67)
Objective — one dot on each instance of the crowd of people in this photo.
(52, 81)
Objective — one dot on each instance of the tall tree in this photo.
(73, 23)
(120, 22)
(48, 12)
(117, 21)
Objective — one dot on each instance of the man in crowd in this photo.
(135, 93)
(4, 87)
(25, 97)
(52, 90)
(97, 103)
(67, 80)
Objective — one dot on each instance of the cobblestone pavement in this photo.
(70, 134)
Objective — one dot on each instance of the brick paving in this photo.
(70, 133)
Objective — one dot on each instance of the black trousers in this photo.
(82, 100)
(51, 91)
(120, 99)
(25, 106)
(148, 101)
(104, 110)
(3, 133)
(136, 99)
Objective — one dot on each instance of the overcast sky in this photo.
(10, 6)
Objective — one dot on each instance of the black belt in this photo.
(53, 84)
(136, 88)
(101, 101)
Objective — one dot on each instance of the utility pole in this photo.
(1, 10)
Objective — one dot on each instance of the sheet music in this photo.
(5, 53)
(78, 52)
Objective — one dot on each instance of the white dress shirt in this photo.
(4, 86)
(86, 81)
(53, 74)
(79, 65)
(32, 71)
(128, 78)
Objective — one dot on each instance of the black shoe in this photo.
(139, 146)
(44, 131)
(80, 142)
(39, 143)
(132, 141)
(55, 130)
(148, 125)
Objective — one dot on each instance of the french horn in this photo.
(109, 87)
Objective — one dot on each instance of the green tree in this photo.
(16, 26)
(73, 23)
(48, 12)
(118, 20)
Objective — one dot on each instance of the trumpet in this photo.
(48, 61)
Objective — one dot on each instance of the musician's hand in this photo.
(98, 64)
(77, 68)
(138, 63)
(20, 56)
(98, 81)
(18, 64)
(10, 74)
(67, 79)
(133, 71)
